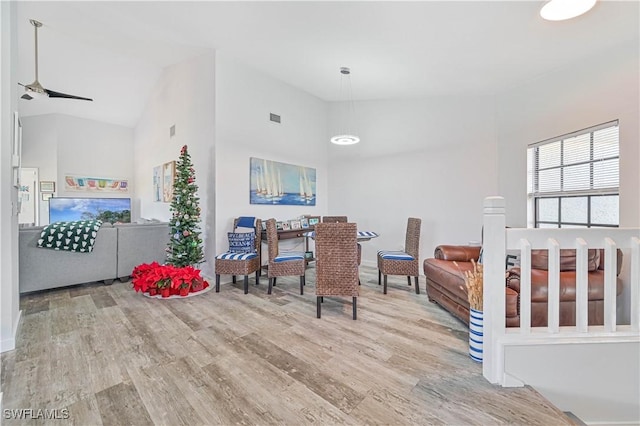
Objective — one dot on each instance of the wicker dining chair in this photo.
(403, 262)
(336, 262)
(343, 219)
(240, 263)
(282, 264)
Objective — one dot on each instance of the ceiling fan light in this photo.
(560, 10)
(345, 140)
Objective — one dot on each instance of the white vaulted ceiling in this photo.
(115, 51)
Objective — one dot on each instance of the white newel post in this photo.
(493, 259)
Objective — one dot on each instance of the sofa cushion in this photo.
(540, 290)
(457, 253)
(540, 259)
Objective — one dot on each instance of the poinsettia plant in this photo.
(148, 276)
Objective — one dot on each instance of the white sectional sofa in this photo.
(117, 250)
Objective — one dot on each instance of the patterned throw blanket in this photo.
(77, 236)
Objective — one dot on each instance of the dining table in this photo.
(361, 235)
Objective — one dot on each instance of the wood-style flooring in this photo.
(111, 356)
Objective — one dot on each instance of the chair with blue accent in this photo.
(282, 264)
(243, 257)
(402, 262)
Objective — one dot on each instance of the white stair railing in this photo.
(498, 239)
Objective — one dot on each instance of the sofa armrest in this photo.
(457, 253)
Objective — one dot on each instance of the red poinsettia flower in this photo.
(154, 275)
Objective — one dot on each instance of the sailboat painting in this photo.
(272, 182)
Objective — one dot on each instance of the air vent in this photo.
(274, 117)
(172, 131)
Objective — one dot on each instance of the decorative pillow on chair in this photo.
(241, 242)
(242, 229)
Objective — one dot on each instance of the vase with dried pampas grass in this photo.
(473, 282)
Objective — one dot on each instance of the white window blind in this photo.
(573, 180)
(583, 162)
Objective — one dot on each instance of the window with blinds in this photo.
(573, 180)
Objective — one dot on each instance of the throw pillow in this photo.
(247, 221)
(241, 242)
(242, 229)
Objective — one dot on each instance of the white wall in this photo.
(606, 88)
(433, 158)
(9, 294)
(185, 97)
(60, 145)
(244, 99)
(598, 382)
(597, 90)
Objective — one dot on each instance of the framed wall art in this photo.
(272, 182)
(95, 184)
(47, 186)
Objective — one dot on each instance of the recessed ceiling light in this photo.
(559, 10)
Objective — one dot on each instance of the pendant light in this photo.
(560, 10)
(346, 134)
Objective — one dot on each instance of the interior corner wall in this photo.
(9, 292)
(597, 90)
(433, 158)
(60, 145)
(244, 99)
(183, 97)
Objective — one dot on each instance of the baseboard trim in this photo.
(10, 343)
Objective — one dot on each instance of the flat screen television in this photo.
(64, 209)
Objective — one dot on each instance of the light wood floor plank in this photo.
(112, 356)
(121, 405)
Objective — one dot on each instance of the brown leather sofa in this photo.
(445, 282)
(539, 289)
(445, 285)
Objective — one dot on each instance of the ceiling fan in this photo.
(35, 89)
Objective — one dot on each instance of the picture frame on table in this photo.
(304, 223)
(279, 226)
(47, 186)
(314, 220)
(295, 224)
(286, 226)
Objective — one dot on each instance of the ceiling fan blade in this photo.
(26, 97)
(54, 94)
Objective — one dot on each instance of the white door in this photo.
(28, 197)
